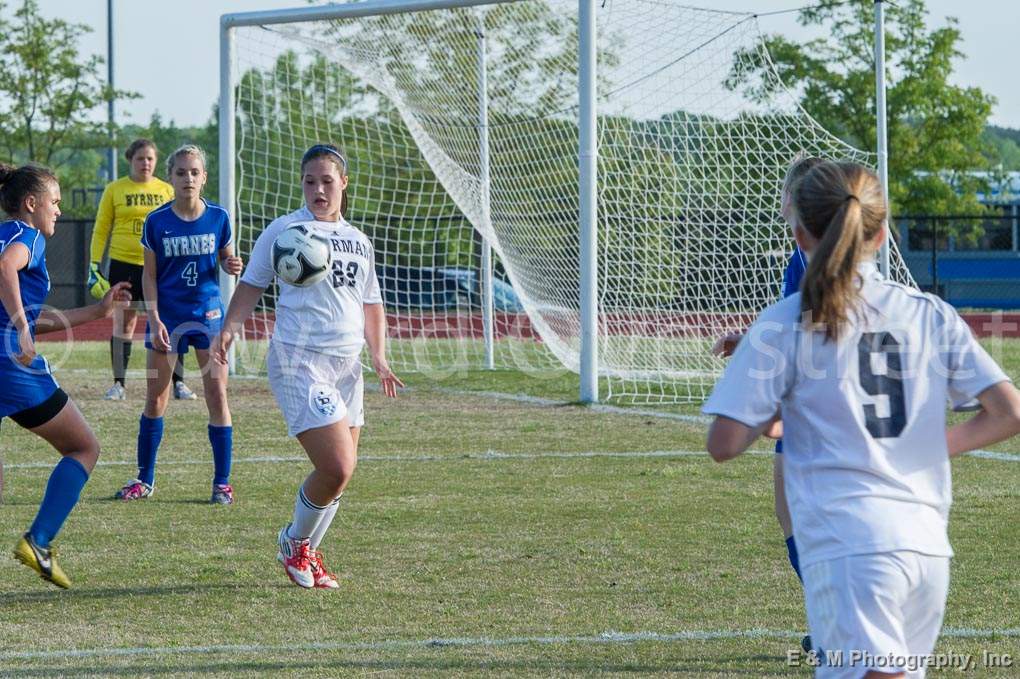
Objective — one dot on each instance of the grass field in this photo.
(480, 537)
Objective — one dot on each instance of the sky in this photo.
(163, 48)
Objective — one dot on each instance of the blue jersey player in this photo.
(30, 195)
(186, 243)
(725, 346)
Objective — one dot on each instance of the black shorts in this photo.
(132, 273)
(38, 415)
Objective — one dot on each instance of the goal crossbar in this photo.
(587, 148)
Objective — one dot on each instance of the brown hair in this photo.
(799, 166)
(842, 205)
(330, 152)
(137, 144)
(18, 182)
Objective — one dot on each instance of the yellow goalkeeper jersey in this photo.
(122, 211)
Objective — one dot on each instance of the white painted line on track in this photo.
(992, 455)
(460, 642)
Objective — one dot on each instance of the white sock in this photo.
(306, 516)
(327, 518)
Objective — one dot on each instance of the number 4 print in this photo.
(190, 274)
(888, 384)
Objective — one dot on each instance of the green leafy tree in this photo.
(1003, 148)
(934, 126)
(168, 137)
(48, 93)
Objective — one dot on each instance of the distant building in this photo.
(1004, 188)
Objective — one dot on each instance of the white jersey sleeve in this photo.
(372, 294)
(969, 368)
(762, 369)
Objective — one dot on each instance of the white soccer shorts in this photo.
(880, 612)
(315, 389)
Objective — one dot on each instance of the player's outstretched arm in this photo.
(728, 438)
(117, 297)
(242, 303)
(998, 419)
(375, 335)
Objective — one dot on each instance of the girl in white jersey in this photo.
(313, 361)
(859, 369)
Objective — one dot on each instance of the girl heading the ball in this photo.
(186, 243)
(314, 363)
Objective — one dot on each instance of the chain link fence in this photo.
(980, 273)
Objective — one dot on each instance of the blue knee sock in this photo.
(791, 549)
(222, 440)
(62, 493)
(150, 433)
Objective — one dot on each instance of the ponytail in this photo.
(18, 182)
(842, 205)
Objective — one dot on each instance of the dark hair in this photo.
(843, 206)
(799, 167)
(330, 152)
(17, 183)
(137, 144)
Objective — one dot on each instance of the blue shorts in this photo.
(24, 387)
(187, 334)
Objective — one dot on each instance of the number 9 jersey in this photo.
(187, 264)
(328, 316)
(866, 464)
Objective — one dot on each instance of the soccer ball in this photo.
(301, 257)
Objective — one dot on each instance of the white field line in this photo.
(598, 408)
(488, 455)
(460, 642)
(538, 401)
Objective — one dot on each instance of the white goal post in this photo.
(549, 184)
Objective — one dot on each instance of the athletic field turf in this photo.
(480, 536)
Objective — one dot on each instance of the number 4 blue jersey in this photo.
(187, 263)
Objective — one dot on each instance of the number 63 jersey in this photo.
(328, 316)
(866, 464)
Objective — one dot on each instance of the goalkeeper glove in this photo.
(97, 285)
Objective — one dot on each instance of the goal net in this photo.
(690, 241)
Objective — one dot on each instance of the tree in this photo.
(48, 93)
(169, 137)
(934, 127)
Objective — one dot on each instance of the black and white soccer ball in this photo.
(301, 257)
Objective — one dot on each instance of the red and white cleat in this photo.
(296, 557)
(222, 494)
(323, 578)
(134, 489)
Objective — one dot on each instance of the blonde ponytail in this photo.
(841, 205)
